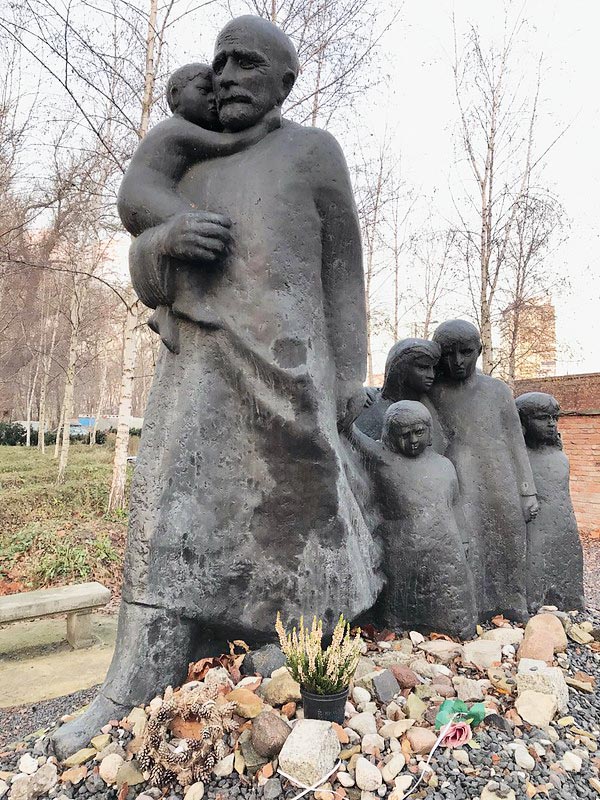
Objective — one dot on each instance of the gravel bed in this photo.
(20, 721)
(591, 571)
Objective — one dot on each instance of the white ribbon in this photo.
(306, 788)
(427, 767)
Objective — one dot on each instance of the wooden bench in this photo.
(77, 601)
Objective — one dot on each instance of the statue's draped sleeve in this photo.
(517, 444)
(149, 268)
(342, 268)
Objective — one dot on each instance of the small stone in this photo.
(44, 779)
(523, 759)
(537, 646)
(423, 668)
(248, 704)
(109, 768)
(130, 774)
(442, 649)
(80, 757)
(467, 689)
(406, 677)
(483, 653)
(345, 780)
(272, 789)
(195, 792)
(281, 689)
(363, 723)
(217, 678)
(571, 761)
(3, 789)
(360, 695)
(365, 681)
(372, 744)
(564, 722)
(581, 686)
(579, 634)
(416, 638)
(138, 719)
(224, 767)
(252, 759)
(239, 763)
(394, 766)
(310, 751)
(415, 707)
(396, 729)
(385, 686)
(536, 708)
(595, 784)
(27, 764)
(101, 741)
(421, 740)
(347, 753)
(343, 736)
(269, 732)
(113, 747)
(74, 775)
(367, 776)
(20, 787)
(461, 756)
(288, 710)
(505, 636)
(492, 792)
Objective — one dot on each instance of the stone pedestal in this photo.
(79, 629)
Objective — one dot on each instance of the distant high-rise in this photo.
(529, 340)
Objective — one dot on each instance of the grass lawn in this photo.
(53, 535)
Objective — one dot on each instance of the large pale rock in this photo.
(20, 787)
(394, 766)
(421, 740)
(367, 776)
(536, 708)
(372, 744)
(551, 628)
(310, 751)
(269, 732)
(482, 653)
(540, 678)
(281, 689)
(538, 647)
(27, 764)
(505, 636)
(467, 689)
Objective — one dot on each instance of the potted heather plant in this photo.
(324, 675)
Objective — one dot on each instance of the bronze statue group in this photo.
(472, 490)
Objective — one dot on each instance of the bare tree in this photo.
(336, 42)
(497, 139)
(433, 253)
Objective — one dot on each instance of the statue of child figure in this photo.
(554, 554)
(429, 583)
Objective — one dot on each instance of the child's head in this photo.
(410, 366)
(539, 417)
(190, 94)
(461, 345)
(407, 428)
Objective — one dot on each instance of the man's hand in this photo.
(197, 236)
(349, 407)
(530, 507)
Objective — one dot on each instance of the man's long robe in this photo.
(242, 500)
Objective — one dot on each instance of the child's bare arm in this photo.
(369, 449)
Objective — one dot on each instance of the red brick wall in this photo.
(579, 400)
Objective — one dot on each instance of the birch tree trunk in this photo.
(69, 386)
(117, 498)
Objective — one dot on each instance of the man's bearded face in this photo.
(249, 77)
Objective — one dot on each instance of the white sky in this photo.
(416, 106)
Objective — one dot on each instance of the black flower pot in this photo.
(329, 707)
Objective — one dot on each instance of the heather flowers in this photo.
(317, 670)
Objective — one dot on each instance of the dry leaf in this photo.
(499, 621)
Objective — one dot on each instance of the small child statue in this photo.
(554, 553)
(429, 583)
(149, 192)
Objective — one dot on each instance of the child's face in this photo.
(459, 359)
(541, 427)
(411, 439)
(196, 102)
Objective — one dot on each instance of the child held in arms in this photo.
(429, 583)
(149, 192)
(554, 554)
(497, 492)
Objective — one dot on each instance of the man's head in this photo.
(461, 345)
(255, 67)
(407, 428)
(410, 368)
(190, 94)
(539, 417)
